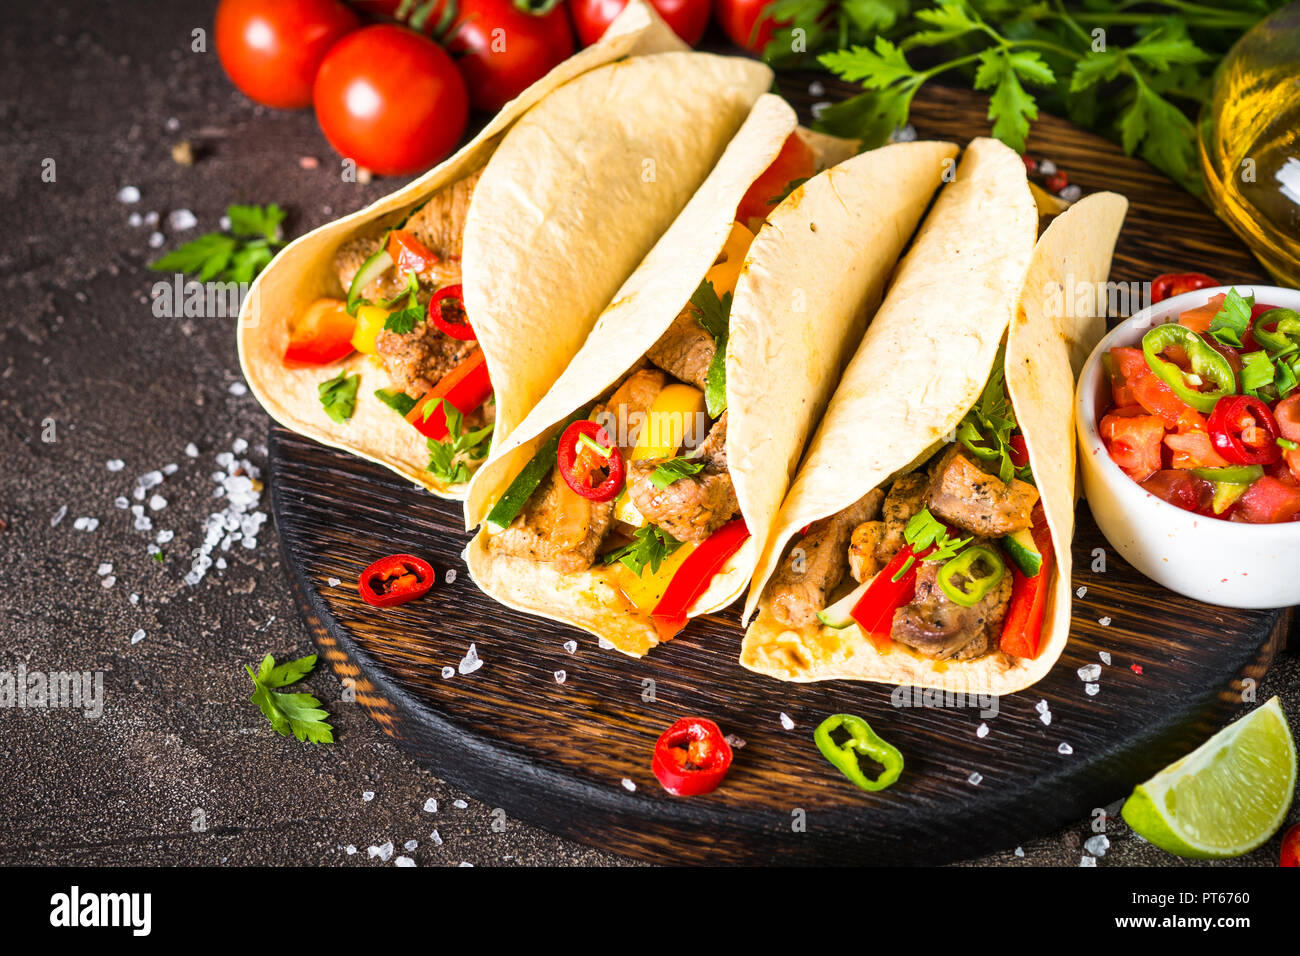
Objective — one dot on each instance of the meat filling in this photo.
(936, 626)
(905, 499)
(418, 359)
(686, 350)
(558, 527)
(962, 493)
(691, 508)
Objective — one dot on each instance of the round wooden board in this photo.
(574, 757)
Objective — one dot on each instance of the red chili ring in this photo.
(567, 457)
(1176, 283)
(691, 757)
(385, 583)
(1227, 422)
(457, 330)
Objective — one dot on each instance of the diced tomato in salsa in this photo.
(1268, 501)
(1180, 488)
(1134, 441)
(1190, 445)
(1287, 415)
(1198, 320)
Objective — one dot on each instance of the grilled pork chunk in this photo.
(906, 497)
(691, 508)
(557, 526)
(685, 350)
(936, 626)
(962, 493)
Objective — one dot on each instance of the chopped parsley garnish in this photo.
(399, 402)
(924, 530)
(299, 714)
(338, 396)
(986, 429)
(650, 545)
(450, 460)
(1233, 318)
(236, 255)
(714, 314)
(404, 321)
(675, 469)
(1256, 372)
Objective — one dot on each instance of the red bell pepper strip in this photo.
(461, 330)
(467, 386)
(693, 577)
(395, 580)
(1176, 283)
(410, 254)
(691, 757)
(874, 611)
(585, 449)
(1019, 450)
(1022, 629)
(322, 336)
(1244, 431)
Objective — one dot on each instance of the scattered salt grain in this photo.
(571, 646)
(471, 661)
(308, 162)
(451, 576)
(1104, 621)
(192, 450)
(1089, 672)
(350, 849)
(157, 503)
(448, 672)
(1046, 167)
(220, 564)
(59, 516)
(239, 446)
(368, 796)
(108, 582)
(786, 722)
(1105, 657)
(333, 582)
(1065, 749)
(139, 493)
(86, 524)
(173, 124)
(121, 501)
(384, 852)
(224, 223)
(1020, 851)
(816, 88)
(181, 219)
(135, 220)
(735, 741)
(165, 536)
(820, 107)
(459, 804)
(982, 731)
(431, 805)
(1041, 707)
(603, 644)
(156, 240)
(138, 636)
(403, 861)
(1044, 714)
(628, 785)
(435, 838)
(115, 464)
(905, 134)
(128, 194)
(1071, 193)
(103, 569)
(410, 845)
(238, 388)
(462, 862)
(1080, 591)
(975, 779)
(1097, 845)
(1088, 861)
(1091, 689)
(134, 598)
(170, 469)
(560, 677)
(150, 479)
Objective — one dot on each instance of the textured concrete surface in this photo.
(181, 768)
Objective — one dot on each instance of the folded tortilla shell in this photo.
(973, 273)
(559, 217)
(813, 277)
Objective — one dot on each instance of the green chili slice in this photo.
(862, 742)
(1233, 474)
(964, 566)
(1285, 338)
(1207, 364)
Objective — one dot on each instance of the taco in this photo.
(640, 490)
(926, 539)
(456, 301)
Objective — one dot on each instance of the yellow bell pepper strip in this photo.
(370, 322)
(676, 416)
(692, 579)
(862, 742)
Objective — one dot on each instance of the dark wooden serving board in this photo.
(558, 755)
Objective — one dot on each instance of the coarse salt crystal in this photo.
(1089, 672)
(165, 536)
(333, 582)
(435, 838)
(368, 795)
(451, 575)
(1041, 706)
(786, 722)
(982, 730)
(459, 804)
(59, 515)
(603, 644)
(403, 861)
(138, 636)
(560, 677)
(1105, 657)
(128, 194)
(181, 219)
(471, 661)
(349, 849)
(975, 779)
(628, 785)
(1046, 167)
(157, 503)
(170, 469)
(103, 569)
(571, 646)
(384, 852)
(1104, 621)
(156, 239)
(121, 501)
(1081, 591)
(108, 582)
(448, 672)
(86, 524)
(411, 845)
(238, 388)
(1065, 749)
(1097, 845)
(431, 805)
(1071, 193)
(239, 446)
(192, 450)
(735, 741)
(115, 464)
(1091, 689)
(135, 220)
(1088, 861)
(1046, 718)
(1020, 851)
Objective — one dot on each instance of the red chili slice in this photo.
(1244, 431)
(1176, 283)
(457, 330)
(579, 461)
(395, 580)
(691, 757)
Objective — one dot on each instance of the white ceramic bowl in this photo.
(1220, 562)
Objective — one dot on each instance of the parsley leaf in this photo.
(450, 460)
(338, 396)
(1233, 319)
(1256, 372)
(675, 469)
(404, 321)
(650, 545)
(399, 402)
(1011, 107)
(924, 529)
(237, 255)
(299, 714)
(714, 315)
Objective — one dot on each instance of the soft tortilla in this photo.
(973, 273)
(566, 154)
(813, 277)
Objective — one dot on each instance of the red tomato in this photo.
(1192, 448)
(1268, 501)
(1291, 847)
(271, 50)
(1125, 366)
(502, 47)
(688, 18)
(739, 20)
(1181, 488)
(1158, 398)
(1134, 443)
(391, 99)
(1287, 415)
(1198, 319)
(795, 161)
(1176, 283)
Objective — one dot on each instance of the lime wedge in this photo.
(1227, 796)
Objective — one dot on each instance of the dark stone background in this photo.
(105, 90)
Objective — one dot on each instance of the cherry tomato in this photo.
(1176, 283)
(391, 99)
(688, 18)
(271, 49)
(503, 46)
(1291, 847)
(739, 20)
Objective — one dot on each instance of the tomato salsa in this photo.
(1205, 411)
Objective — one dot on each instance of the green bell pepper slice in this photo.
(1207, 364)
(862, 742)
(977, 585)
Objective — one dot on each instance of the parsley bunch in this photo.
(1131, 70)
(236, 255)
(986, 429)
(450, 460)
(299, 714)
